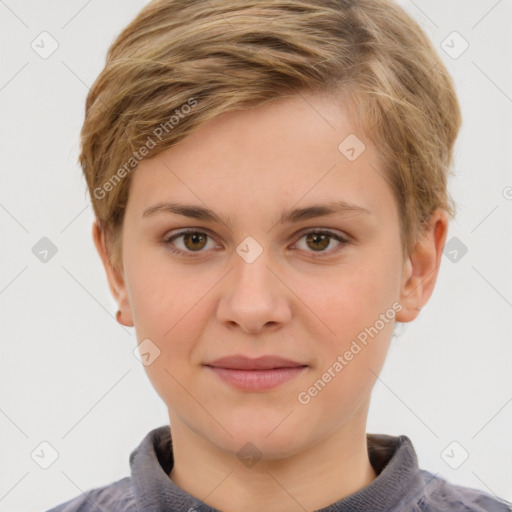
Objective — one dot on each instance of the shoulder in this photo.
(116, 496)
(439, 494)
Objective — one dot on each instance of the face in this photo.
(265, 275)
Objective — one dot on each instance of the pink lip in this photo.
(240, 362)
(258, 374)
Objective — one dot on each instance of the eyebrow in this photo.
(286, 216)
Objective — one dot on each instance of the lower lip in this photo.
(257, 380)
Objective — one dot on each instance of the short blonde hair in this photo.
(180, 63)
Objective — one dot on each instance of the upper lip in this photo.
(240, 362)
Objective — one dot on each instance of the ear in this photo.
(421, 268)
(114, 276)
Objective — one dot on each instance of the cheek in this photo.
(164, 297)
(349, 298)
(355, 305)
(167, 310)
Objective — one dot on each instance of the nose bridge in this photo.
(252, 262)
(252, 296)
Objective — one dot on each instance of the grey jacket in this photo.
(399, 487)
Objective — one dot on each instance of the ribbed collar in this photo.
(397, 487)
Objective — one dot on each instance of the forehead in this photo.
(297, 150)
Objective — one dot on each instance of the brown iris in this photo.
(197, 240)
(318, 237)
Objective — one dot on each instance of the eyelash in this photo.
(322, 254)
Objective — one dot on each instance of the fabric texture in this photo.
(399, 487)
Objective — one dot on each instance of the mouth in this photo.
(260, 374)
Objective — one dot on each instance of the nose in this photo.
(253, 296)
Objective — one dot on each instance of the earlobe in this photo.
(119, 318)
(422, 266)
(114, 277)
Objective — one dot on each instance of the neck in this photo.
(318, 476)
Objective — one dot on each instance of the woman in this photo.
(269, 185)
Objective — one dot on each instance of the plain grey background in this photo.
(69, 378)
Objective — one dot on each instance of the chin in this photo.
(271, 439)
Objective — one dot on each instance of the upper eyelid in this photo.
(185, 231)
(302, 231)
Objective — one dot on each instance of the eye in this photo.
(320, 240)
(193, 241)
